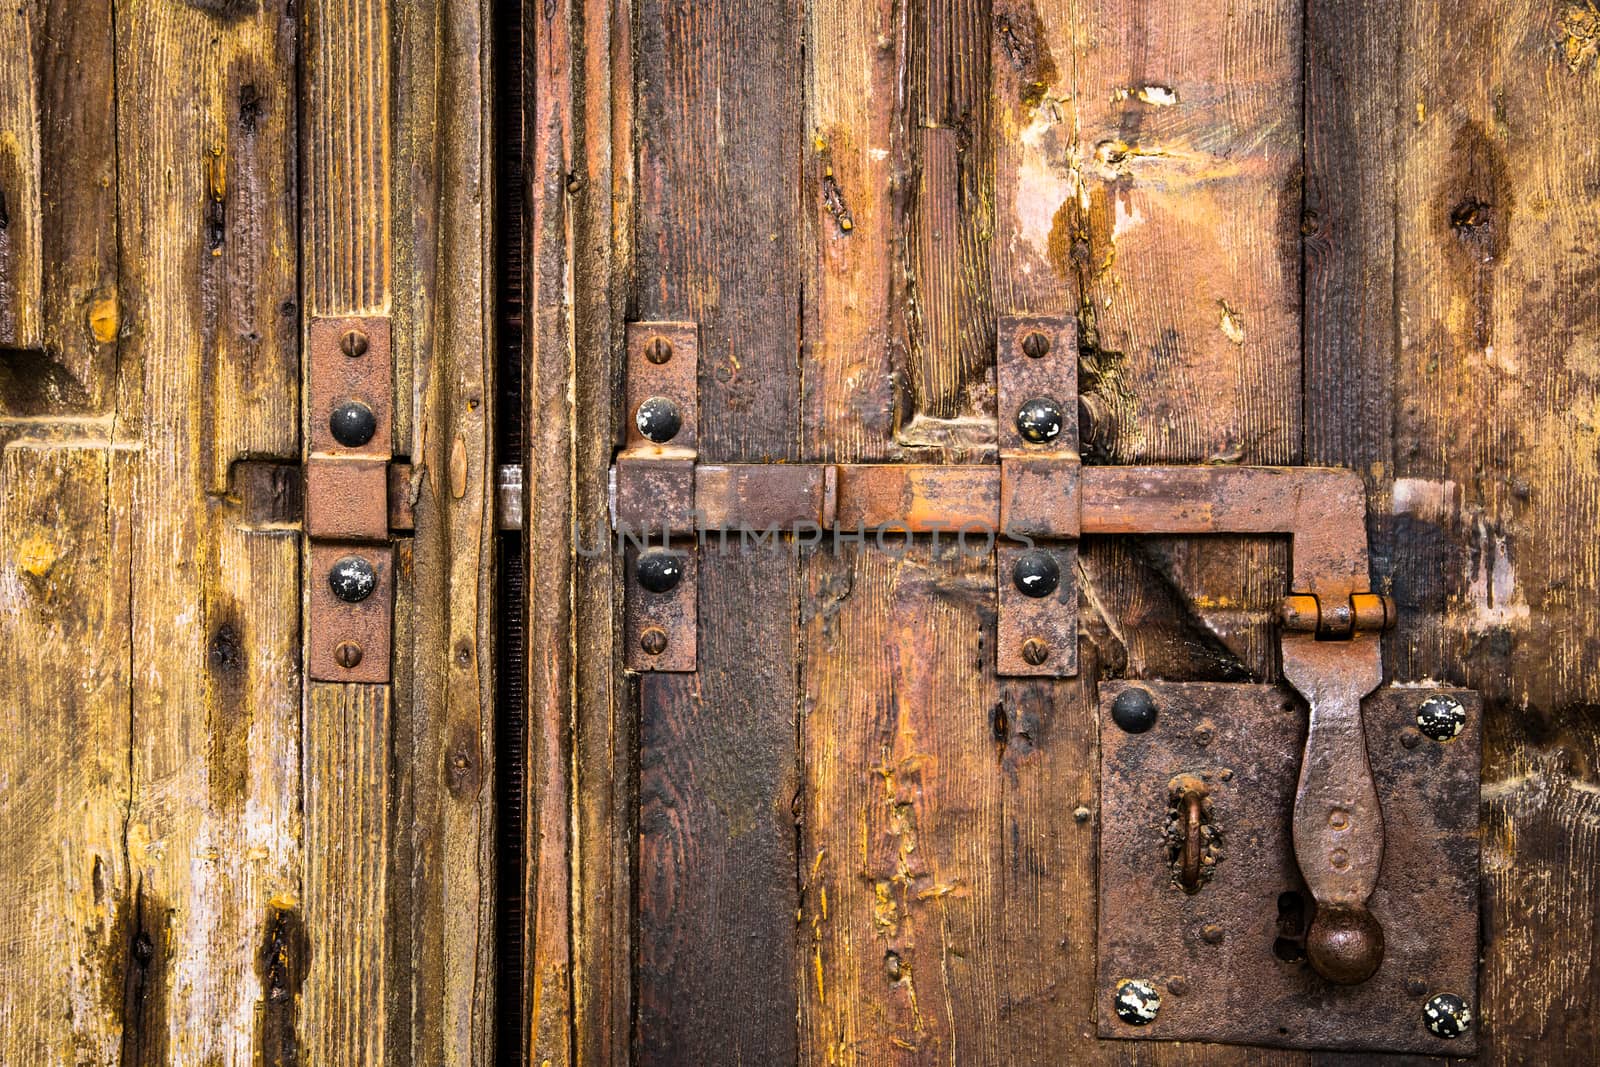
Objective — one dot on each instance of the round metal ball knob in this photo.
(352, 579)
(1345, 944)
(658, 419)
(1036, 573)
(659, 570)
(353, 424)
(1134, 710)
(1039, 420)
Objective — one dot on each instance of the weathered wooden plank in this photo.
(856, 188)
(67, 918)
(212, 831)
(440, 139)
(903, 910)
(718, 235)
(58, 235)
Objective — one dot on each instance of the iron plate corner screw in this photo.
(658, 350)
(659, 570)
(1136, 1002)
(1211, 934)
(1036, 345)
(347, 654)
(1442, 718)
(1039, 421)
(354, 344)
(1134, 710)
(352, 579)
(1035, 650)
(1447, 1015)
(653, 640)
(352, 424)
(658, 419)
(1036, 573)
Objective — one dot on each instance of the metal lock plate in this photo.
(350, 642)
(1227, 961)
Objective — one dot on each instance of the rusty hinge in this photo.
(350, 560)
(1033, 506)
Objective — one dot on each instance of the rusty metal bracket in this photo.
(1227, 959)
(348, 499)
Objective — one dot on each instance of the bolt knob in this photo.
(352, 579)
(1345, 944)
(1036, 573)
(659, 570)
(1039, 421)
(658, 419)
(353, 424)
(1134, 710)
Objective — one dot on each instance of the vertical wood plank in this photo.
(213, 830)
(718, 241)
(64, 776)
(58, 236)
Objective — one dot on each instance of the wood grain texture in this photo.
(1449, 331)
(58, 235)
(64, 773)
(717, 242)
(212, 832)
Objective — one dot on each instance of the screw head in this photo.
(354, 344)
(1134, 710)
(1442, 718)
(658, 350)
(353, 424)
(1036, 345)
(1036, 573)
(1447, 1015)
(352, 579)
(1035, 650)
(1211, 934)
(1136, 1002)
(658, 419)
(347, 654)
(653, 640)
(659, 570)
(1039, 421)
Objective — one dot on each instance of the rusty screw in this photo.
(658, 350)
(1211, 934)
(1447, 1015)
(1035, 650)
(653, 640)
(347, 654)
(354, 344)
(1136, 1002)
(1036, 345)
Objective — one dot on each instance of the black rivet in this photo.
(659, 570)
(353, 424)
(1447, 1015)
(658, 419)
(1039, 420)
(1441, 718)
(1136, 1002)
(1036, 345)
(1134, 710)
(1036, 573)
(352, 579)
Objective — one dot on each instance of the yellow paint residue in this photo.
(1232, 324)
(38, 556)
(104, 317)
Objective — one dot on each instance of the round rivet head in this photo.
(1447, 1015)
(658, 419)
(1136, 1002)
(1036, 573)
(353, 424)
(1039, 420)
(659, 570)
(352, 579)
(1441, 718)
(1134, 710)
(1035, 345)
